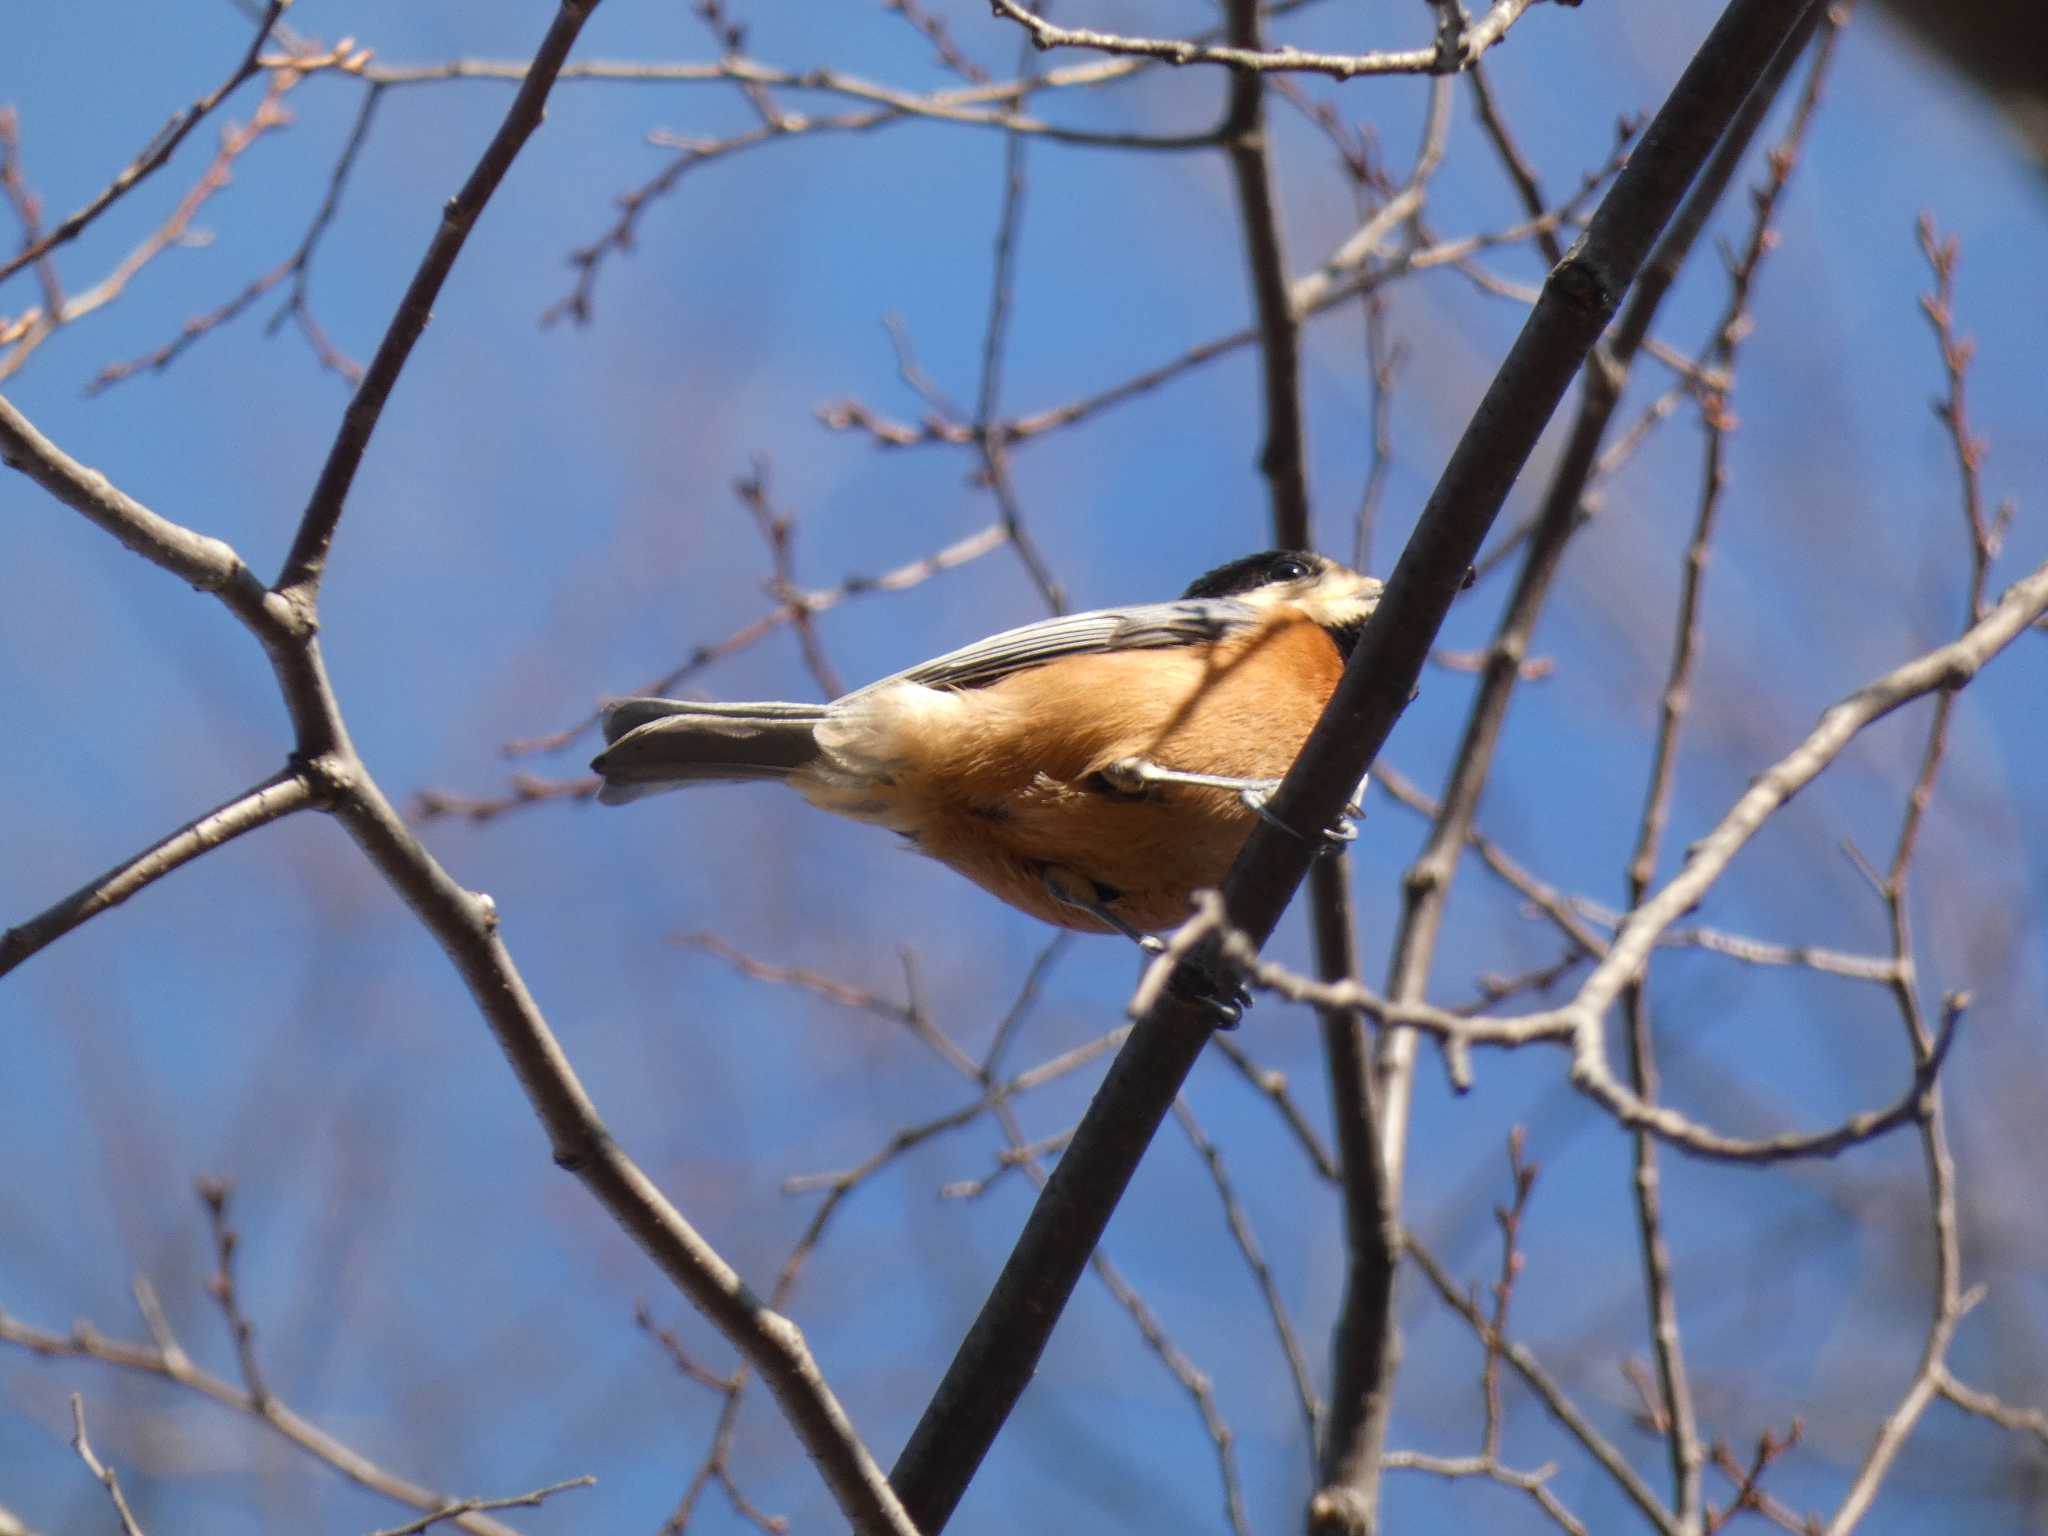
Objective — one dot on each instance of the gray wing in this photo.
(1149, 627)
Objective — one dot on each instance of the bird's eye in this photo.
(1288, 568)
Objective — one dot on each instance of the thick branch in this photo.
(1428, 881)
(464, 923)
(1365, 1345)
(205, 563)
(1002, 1348)
(466, 926)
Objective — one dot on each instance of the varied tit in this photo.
(1094, 770)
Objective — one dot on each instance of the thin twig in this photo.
(962, 106)
(1427, 884)
(155, 153)
(1536, 1484)
(307, 558)
(1519, 171)
(39, 325)
(778, 530)
(992, 446)
(1748, 1480)
(1679, 1413)
(1435, 59)
(214, 1195)
(167, 1360)
(1522, 1181)
(1247, 145)
(297, 266)
(130, 1526)
(1241, 1233)
(29, 210)
(898, 579)
(1547, 1390)
(531, 1499)
(275, 798)
(2026, 1421)
(1950, 1302)
(526, 789)
(1347, 273)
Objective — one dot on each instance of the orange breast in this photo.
(1004, 788)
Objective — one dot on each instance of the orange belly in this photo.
(1002, 784)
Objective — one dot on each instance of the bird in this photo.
(1094, 770)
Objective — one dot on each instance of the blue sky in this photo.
(545, 517)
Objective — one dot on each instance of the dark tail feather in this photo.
(658, 744)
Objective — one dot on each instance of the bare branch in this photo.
(276, 797)
(170, 1362)
(214, 1195)
(235, 140)
(1548, 1392)
(1283, 458)
(297, 267)
(991, 443)
(899, 579)
(532, 1499)
(201, 562)
(1519, 171)
(1428, 882)
(1003, 1346)
(1536, 1484)
(308, 555)
(1682, 1436)
(1941, 670)
(1950, 1302)
(155, 153)
(463, 922)
(130, 1526)
(1447, 55)
(1241, 1233)
(29, 210)
(2026, 1421)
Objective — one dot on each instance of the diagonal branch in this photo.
(1002, 1348)
(463, 922)
(275, 798)
(202, 562)
(1365, 1344)
(303, 566)
(1943, 669)
(1426, 887)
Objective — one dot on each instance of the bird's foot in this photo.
(1133, 775)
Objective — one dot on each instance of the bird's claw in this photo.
(1134, 775)
(1331, 840)
(1225, 997)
